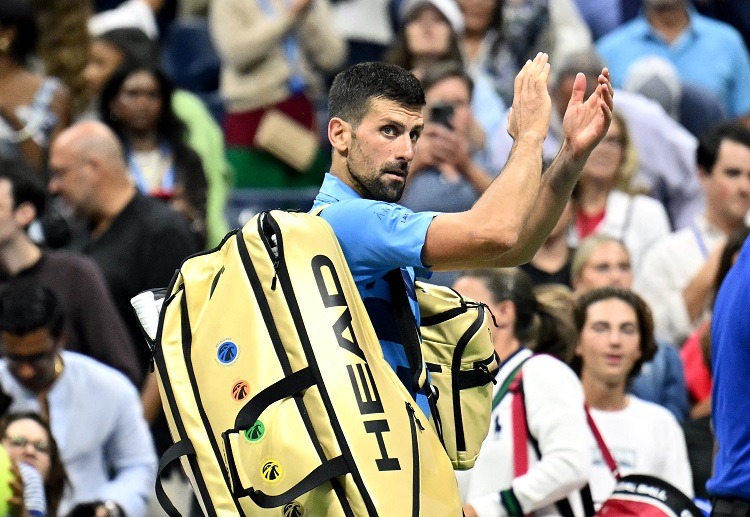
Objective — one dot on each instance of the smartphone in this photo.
(442, 113)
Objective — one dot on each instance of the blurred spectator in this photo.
(106, 448)
(606, 200)
(28, 439)
(729, 485)
(602, 16)
(365, 25)
(706, 52)
(430, 32)
(118, 14)
(695, 107)
(33, 108)
(92, 325)
(615, 338)
(270, 52)
(666, 150)
(677, 274)
(63, 32)
(135, 104)
(551, 264)
(603, 261)
(128, 48)
(559, 459)
(733, 12)
(137, 241)
(502, 34)
(443, 176)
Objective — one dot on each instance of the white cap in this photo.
(448, 8)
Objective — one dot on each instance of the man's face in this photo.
(663, 4)
(31, 358)
(381, 148)
(72, 178)
(454, 91)
(9, 226)
(727, 188)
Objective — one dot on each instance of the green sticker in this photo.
(256, 432)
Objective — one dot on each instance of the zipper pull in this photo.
(151, 363)
(273, 282)
(413, 414)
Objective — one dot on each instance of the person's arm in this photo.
(492, 226)
(151, 398)
(130, 451)
(697, 294)
(242, 43)
(584, 124)
(322, 42)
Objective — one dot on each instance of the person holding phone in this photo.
(446, 178)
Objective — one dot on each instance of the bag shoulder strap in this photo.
(407, 325)
(606, 454)
(505, 386)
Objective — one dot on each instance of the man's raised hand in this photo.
(532, 106)
(586, 123)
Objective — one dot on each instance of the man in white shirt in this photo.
(676, 276)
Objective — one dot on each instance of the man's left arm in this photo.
(132, 457)
(584, 124)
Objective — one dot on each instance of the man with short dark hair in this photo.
(677, 274)
(94, 412)
(93, 326)
(376, 121)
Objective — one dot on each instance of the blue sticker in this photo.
(227, 352)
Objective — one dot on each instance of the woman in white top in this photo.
(616, 336)
(606, 201)
(553, 402)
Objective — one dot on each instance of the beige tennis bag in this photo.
(276, 391)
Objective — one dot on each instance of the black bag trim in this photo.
(169, 392)
(457, 377)
(286, 367)
(187, 342)
(296, 314)
(173, 453)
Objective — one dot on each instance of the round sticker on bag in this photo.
(271, 471)
(227, 352)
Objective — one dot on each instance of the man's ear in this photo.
(25, 213)
(340, 135)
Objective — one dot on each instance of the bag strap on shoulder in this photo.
(407, 325)
(606, 454)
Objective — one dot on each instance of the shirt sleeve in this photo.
(739, 100)
(377, 236)
(554, 407)
(132, 456)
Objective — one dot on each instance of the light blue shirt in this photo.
(377, 237)
(709, 53)
(96, 418)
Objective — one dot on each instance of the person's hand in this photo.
(532, 106)
(469, 511)
(299, 8)
(446, 147)
(16, 503)
(586, 123)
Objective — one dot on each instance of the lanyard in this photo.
(699, 240)
(296, 81)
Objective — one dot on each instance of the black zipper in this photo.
(415, 424)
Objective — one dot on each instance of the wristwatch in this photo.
(113, 508)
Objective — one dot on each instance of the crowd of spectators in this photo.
(131, 131)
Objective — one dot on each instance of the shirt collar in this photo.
(333, 189)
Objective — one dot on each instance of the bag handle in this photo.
(289, 386)
(606, 454)
(177, 450)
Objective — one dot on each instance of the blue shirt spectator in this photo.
(708, 53)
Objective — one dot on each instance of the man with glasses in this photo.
(94, 411)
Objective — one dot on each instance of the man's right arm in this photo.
(494, 223)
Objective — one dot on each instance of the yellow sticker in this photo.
(271, 471)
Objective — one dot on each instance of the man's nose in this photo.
(405, 149)
(25, 371)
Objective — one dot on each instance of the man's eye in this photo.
(388, 130)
